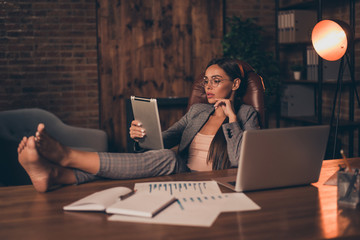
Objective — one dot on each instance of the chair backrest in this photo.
(254, 94)
(14, 124)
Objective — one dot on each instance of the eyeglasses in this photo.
(214, 81)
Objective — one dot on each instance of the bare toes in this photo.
(22, 144)
(49, 148)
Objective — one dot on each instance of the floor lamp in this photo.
(331, 39)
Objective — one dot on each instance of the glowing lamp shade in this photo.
(330, 39)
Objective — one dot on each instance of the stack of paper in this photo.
(109, 200)
(198, 203)
(141, 205)
(191, 203)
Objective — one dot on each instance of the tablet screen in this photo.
(146, 111)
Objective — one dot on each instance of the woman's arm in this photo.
(247, 119)
(171, 137)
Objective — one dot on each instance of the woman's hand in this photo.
(136, 130)
(228, 108)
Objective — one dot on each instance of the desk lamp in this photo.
(331, 39)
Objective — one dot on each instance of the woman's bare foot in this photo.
(44, 175)
(50, 148)
(37, 168)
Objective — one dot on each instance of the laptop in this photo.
(146, 111)
(279, 157)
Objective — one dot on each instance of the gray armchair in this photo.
(14, 124)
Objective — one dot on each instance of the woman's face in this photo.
(217, 84)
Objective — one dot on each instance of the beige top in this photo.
(198, 152)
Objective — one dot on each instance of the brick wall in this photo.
(48, 54)
(48, 58)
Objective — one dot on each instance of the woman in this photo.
(209, 137)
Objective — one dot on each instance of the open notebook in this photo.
(280, 157)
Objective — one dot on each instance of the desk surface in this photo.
(308, 212)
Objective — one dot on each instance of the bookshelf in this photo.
(302, 100)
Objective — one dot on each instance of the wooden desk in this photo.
(308, 212)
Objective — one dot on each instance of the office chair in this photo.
(14, 124)
(254, 94)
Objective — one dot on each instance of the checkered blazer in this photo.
(184, 131)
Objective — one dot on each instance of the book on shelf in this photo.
(295, 25)
(122, 200)
(312, 64)
(330, 68)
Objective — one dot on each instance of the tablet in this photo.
(146, 111)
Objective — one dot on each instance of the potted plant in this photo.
(297, 69)
(244, 41)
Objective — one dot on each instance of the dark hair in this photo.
(218, 154)
(233, 70)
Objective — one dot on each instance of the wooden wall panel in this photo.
(152, 48)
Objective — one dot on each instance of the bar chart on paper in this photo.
(196, 210)
(177, 189)
(198, 203)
